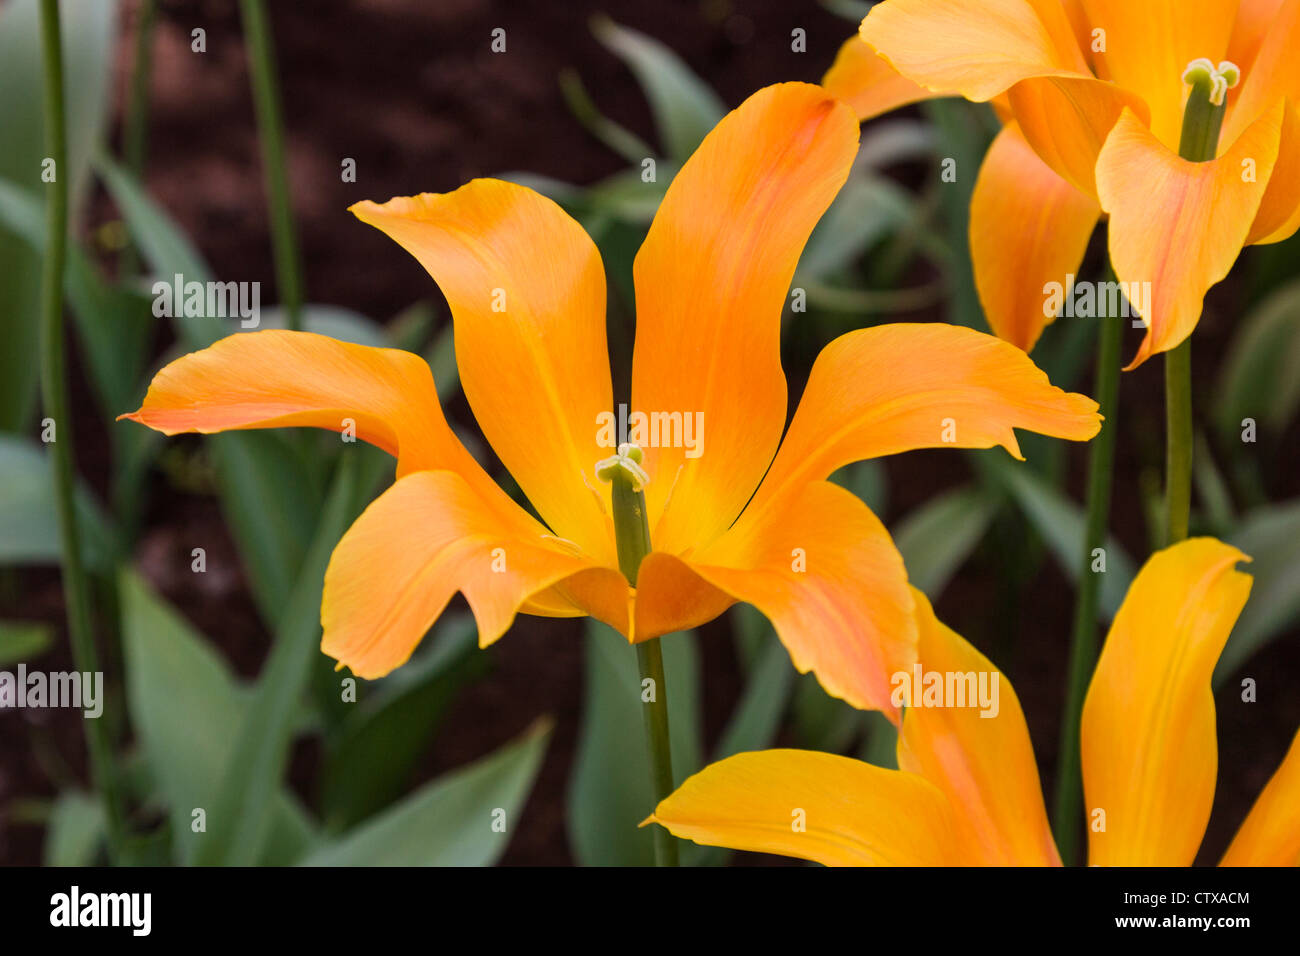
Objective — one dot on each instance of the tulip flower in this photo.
(967, 791)
(1093, 94)
(734, 520)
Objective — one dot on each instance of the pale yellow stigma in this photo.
(1220, 79)
(627, 461)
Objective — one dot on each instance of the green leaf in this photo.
(609, 790)
(1261, 375)
(187, 711)
(29, 521)
(866, 209)
(241, 813)
(1271, 536)
(1061, 524)
(386, 732)
(938, 536)
(684, 106)
(332, 320)
(89, 32)
(24, 641)
(754, 722)
(75, 830)
(453, 821)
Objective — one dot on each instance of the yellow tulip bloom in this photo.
(739, 520)
(1092, 95)
(967, 791)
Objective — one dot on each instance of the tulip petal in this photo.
(1067, 119)
(974, 48)
(1256, 20)
(1028, 228)
(979, 754)
(1279, 211)
(1179, 225)
(425, 538)
(895, 388)
(1270, 835)
(813, 806)
(867, 82)
(276, 378)
(1150, 43)
(527, 295)
(711, 281)
(824, 571)
(1147, 737)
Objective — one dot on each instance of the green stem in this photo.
(135, 134)
(1083, 639)
(632, 535)
(54, 395)
(1178, 441)
(270, 130)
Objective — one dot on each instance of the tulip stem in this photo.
(1083, 639)
(1178, 442)
(632, 536)
(54, 397)
(270, 131)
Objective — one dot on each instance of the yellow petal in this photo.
(867, 82)
(1067, 119)
(1178, 226)
(1279, 211)
(1270, 835)
(823, 569)
(275, 378)
(894, 388)
(1255, 21)
(976, 750)
(974, 48)
(1028, 228)
(1150, 43)
(711, 284)
(814, 806)
(1148, 738)
(527, 295)
(421, 541)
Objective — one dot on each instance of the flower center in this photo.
(631, 527)
(1203, 114)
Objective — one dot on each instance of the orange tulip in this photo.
(1093, 96)
(967, 791)
(527, 294)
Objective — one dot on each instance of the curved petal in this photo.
(894, 388)
(421, 541)
(864, 80)
(1177, 226)
(1279, 211)
(976, 749)
(711, 281)
(1150, 43)
(671, 597)
(1066, 120)
(1270, 835)
(814, 806)
(1028, 228)
(1255, 21)
(1147, 736)
(276, 378)
(974, 48)
(824, 571)
(1272, 74)
(527, 295)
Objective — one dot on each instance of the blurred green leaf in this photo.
(29, 522)
(614, 135)
(938, 536)
(754, 722)
(23, 641)
(684, 106)
(332, 320)
(452, 821)
(241, 813)
(609, 789)
(75, 830)
(187, 710)
(386, 733)
(1260, 378)
(89, 31)
(866, 209)
(1271, 537)
(1060, 523)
